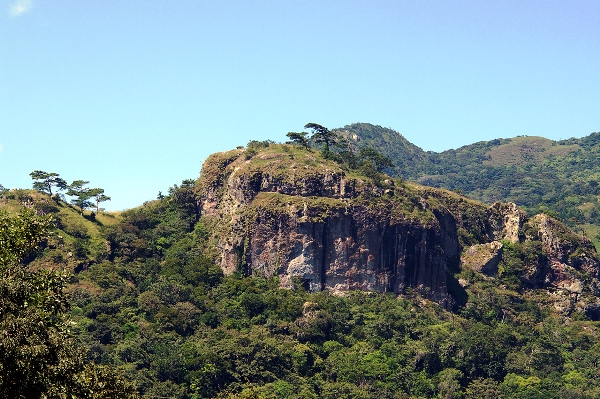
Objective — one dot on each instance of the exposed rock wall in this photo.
(280, 214)
(351, 248)
(483, 258)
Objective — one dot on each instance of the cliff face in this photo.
(287, 212)
(353, 246)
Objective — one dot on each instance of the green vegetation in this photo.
(299, 138)
(143, 300)
(82, 196)
(407, 157)
(181, 329)
(44, 181)
(39, 356)
(157, 307)
(559, 178)
(322, 135)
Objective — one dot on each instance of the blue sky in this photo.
(134, 95)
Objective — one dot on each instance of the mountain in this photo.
(408, 158)
(538, 174)
(285, 211)
(281, 273)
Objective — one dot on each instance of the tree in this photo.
(20, 235)
(82, 194)
(322, 135)
(379, 160)
(299, 138)
(39, 356)
(98, 195)
(483, 388)
(44, 181)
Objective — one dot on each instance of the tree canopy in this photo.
(379, 160)
(97, 194)
(81, 194)
(39, 356)
(44, 181)
(299, 138)
(322, 135)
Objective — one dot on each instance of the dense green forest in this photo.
(153, 306)
(144, 300)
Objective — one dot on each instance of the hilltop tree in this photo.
(299, 138)
(97, 194)
(322, 135)
(44, 181)
(82, 194)
(379, 160)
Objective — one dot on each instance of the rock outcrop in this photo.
(483, 258)
(287, 212)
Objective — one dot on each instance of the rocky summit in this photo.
(282, 210)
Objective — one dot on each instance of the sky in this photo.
(133, 95)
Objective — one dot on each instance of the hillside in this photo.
(282, 211)
(559, 177)
(281, 274)
(409, 159)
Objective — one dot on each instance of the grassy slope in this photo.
(76, 239)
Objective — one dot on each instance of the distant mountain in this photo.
(538, 174)
(408, 158)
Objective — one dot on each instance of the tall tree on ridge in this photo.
(98, 195)
(44, 181)
(82, 194)
(322, 135)
(299, 138)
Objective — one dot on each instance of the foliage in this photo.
(299, 138)
(44, 181)
(322, 135)
(409, 160)
(20, 235)
(81, 194)
(38, 353)
(97, 194)
(379, 160)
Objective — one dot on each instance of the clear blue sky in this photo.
(134, 95)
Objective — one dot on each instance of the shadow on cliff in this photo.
(458, 295)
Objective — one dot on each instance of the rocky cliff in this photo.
(288, 212)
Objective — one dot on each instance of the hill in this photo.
(282, 210)
(223, 287)
(540, 175)
(409, 159)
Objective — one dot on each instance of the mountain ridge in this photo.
(536, 173)
(491, 299)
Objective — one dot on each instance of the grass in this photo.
(592, 232)
(527, 149)
(72, 230)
